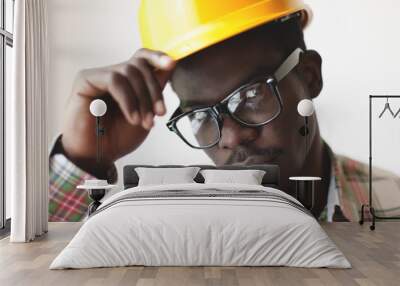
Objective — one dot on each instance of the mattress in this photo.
(201, 225)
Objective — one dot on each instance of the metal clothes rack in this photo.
(369, 205)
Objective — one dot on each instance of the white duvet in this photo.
(207, 230)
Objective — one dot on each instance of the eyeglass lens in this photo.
(255, 104)
(199, 128)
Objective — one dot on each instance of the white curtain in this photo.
(26, 142)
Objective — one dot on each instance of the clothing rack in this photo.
(369, 206)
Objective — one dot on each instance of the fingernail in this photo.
(160, 107)
(135, 117)
(165, 61)
(149, 117)
(145, 125)
(148, 121)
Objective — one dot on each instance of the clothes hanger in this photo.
(397, 113)
(387, 107)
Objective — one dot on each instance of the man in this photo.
(239, 87)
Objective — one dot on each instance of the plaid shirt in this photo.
(66, 202)
(347, 192)
(352, 183)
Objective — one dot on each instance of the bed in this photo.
(201, 224)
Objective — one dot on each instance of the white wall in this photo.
(358, 40)
(359, 43)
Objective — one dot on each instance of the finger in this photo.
(153, 86)
(163, 77)
(156, 59)
(163, 65)
(120, 89)
(138, 84)
(91, 82)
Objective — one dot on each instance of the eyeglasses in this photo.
(254, 104)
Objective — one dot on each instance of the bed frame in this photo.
(270, 179)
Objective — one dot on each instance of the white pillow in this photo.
(163, 176)
(248, 177)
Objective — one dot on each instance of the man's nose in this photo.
(234, 134)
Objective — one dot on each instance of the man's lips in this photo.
(247, 156)
(244, 156)
(255, 160)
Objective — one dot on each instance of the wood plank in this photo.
(375, 257)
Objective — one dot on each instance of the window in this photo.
(6, 44)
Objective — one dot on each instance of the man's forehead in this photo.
(210, 96)
(210, 77)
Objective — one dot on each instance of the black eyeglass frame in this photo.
(221, 107)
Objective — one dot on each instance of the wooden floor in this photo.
(375, 257)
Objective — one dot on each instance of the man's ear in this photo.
(310, 70)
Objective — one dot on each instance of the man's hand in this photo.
(132, 91)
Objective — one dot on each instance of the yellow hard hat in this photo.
(182, 27)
